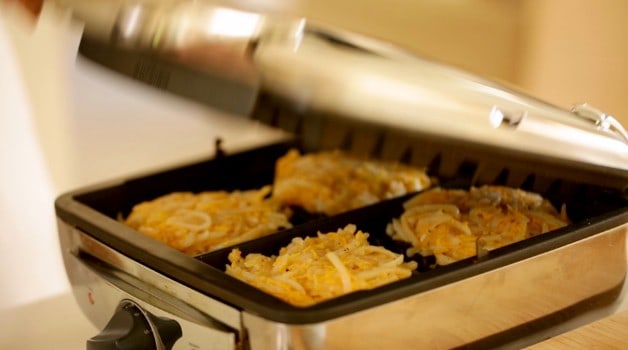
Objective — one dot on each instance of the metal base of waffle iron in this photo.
(497, 307)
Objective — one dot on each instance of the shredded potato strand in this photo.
(199, 223)
(313, 269)
(449, 224)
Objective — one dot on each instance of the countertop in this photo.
(57, 323)
(51, 323)
(608, 333)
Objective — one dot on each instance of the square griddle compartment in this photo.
(592, 209)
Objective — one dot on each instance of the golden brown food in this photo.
(450, 224)
(333, 182)
(310, 270)
(199, 223)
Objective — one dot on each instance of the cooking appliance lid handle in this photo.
(601, 120)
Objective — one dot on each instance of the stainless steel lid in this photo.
(355, 78)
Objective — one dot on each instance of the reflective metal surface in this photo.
(582, 277)
(321, 68)
(603, 121)
(470, 312)
(101, 278)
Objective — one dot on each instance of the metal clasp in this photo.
(604, 122)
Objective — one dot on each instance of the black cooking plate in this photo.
(592, 209)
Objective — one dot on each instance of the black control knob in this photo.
(127, 329)
(130, 328)
(168, 330)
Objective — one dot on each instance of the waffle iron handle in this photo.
(602, 121)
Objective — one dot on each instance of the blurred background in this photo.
(66, 123)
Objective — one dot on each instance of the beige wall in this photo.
(577, 51)
(563, 51)
(476, 35)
